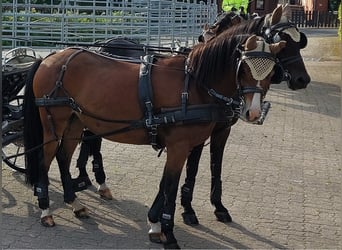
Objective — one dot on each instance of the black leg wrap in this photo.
(100, 175)
(220, 212)
(63, 164)
(94, 144)
(168, 238)
(41, 191)
(216, 191)
(154, 213)
(43, 203)
(83, 156)
(81, 183)
(189, 215)
(167, 223)
(186, 193)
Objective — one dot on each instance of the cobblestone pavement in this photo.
(281, 182)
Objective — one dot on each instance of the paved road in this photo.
(320, 32)
(282, 183)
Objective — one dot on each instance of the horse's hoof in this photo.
(190, 219)
(154, 233)
(47, 221)
(106, 194)
(223, 216)
(169, 242)
(171, 246)
(82, 213)
(155, 237)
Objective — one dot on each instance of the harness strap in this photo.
(59, 82)
(146, 97)
(195, 114)
(185, 93)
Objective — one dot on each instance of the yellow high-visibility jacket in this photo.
(227, 5)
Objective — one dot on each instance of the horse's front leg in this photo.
(165, 203)
(154, 214)
(187, 190)
(217, 143)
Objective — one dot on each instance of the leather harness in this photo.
(225, 110)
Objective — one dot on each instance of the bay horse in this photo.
(290, 69)
(273, 27)
(172, 102)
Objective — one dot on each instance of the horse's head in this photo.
(277, 27)
(255, 72)
(222, 23)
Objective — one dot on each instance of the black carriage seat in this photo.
(16, 65)
(131, 50)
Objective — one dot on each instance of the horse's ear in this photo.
(276, 15)
(251, 43)
(275, 48)
(206, 26)
(287, 11)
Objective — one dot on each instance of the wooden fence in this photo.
(316, 19)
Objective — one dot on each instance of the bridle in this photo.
(273, 35)
(237, 102)
(253, 60)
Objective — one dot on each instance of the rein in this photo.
(290, 59)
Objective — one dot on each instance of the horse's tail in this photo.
(33, 132)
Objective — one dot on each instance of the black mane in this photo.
(208, 61)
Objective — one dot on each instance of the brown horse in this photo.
(171, 102)
(291, 69)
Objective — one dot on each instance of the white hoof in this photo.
(155, 232)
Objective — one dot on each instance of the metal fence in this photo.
(152, 22)
(316, 19)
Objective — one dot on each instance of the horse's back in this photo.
(76, 68)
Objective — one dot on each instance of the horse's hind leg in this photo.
(82, 181)
(189, 215)
(100, 176)
(217, 143)
(63, 156)
(41, 189)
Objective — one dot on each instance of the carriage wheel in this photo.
(12, 149)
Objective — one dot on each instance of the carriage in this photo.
(16, 64)
(76, 112)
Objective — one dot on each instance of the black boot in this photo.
(81, 183)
